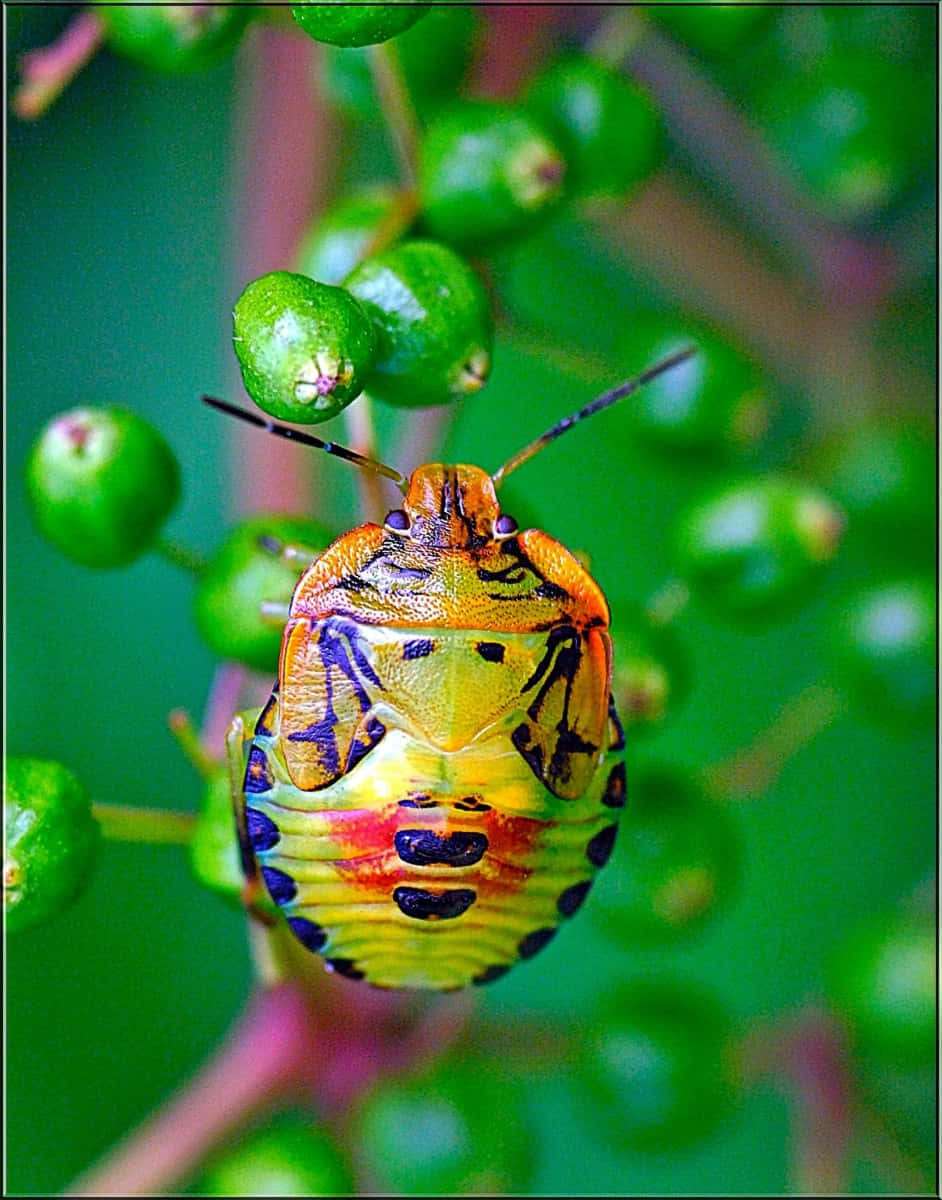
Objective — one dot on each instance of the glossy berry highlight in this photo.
(51, 840)
(356, 24)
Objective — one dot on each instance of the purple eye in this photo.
(397, 519)
(505, 525)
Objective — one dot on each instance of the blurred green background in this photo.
(121, 235)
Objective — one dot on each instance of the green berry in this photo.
(357, 24)
(714, 402)
(654, 1066)
(834, 126)
(432, 320)
(607, 126)
(175, 38)
(883, 475)
(676, 859)
(304, 347)
(346, 233)
(753, 548)
(651, 672)
(716, 29)
(50, 840)
(885, 644)
(241, 576)
(433, 55)
(291, 1157)
(101, 482)
(486, 171)
(455, 1131)
(883, 981)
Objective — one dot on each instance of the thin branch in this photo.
(397, 107)
(180, 556)
(225, 700)
(182, 728)
(48, 71)
(257, 1064)
(753, 770)
(128, 823)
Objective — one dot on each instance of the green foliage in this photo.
(304, 347)
(652, 671)
(432, 320)
(101, 482)
(357, 24)
(50, 841)
(486, 172)
(245, 573)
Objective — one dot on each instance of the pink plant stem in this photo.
(257, 1063)
(725, 146)
(225, 699)
(46, 72)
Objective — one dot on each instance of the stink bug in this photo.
(438, 773)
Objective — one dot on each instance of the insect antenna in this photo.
(600, 402)
(308, 439)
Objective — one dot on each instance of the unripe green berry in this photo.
(885, 646)
(241, 576)
(214, 846)
(675, 860)
(51, 840)
(754, 547)
(432, 320)
(291, 1157)
(356, 24)
(101, 482)
(175, 38)
(655, 1066)
(714, 402)
(715, 29)
(883, 476)
(346, 233)
(304, 347)
(607, 127)
(832, 125)
(883, 981)
(433, 55)
(486, 171)
(456, 1130)
(651, 673)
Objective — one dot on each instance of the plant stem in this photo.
(180, 556)
(755, 768)
(48, 71)
(397, 107)
(257, 1063)
(182, 728)
(128, 823)
(809, 1054)
(225, 699)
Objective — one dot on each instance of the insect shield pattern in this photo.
(438, 773)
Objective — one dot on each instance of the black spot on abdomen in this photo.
(615, 787)
(422, 847)
(600, 847)
(310, 934)
(534, 942)
(281, 886)
(263, 832)
(432, 906)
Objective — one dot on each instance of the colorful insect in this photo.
(438, 773)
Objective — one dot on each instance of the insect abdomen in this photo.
(425, 869)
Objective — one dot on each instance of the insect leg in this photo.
(292, 554)
(236, 739)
